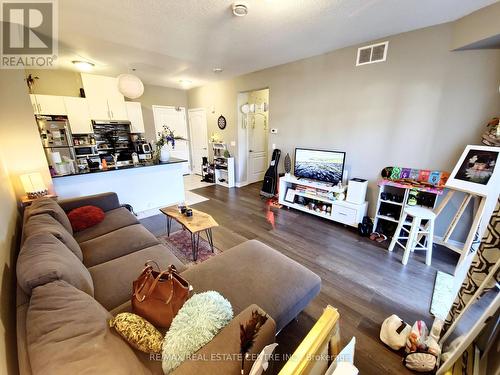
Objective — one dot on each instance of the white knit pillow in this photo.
(195, 325)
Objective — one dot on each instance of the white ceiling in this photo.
(170, 40)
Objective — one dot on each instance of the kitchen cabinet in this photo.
(105, 101)
(78, 115)
(48, 104)
(134, 114)
(117, 108)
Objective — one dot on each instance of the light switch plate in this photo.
(233, 143)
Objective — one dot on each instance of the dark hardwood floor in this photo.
(360, 278)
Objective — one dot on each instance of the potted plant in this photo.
(165, 138)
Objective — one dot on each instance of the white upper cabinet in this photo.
(117, 108)
(48, 104)
(105, 101)
(134, 113)
(78, 115)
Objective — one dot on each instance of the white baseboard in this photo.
(148, 213)
(241, 184)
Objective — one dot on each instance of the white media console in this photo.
(317, 194)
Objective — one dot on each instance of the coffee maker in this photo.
(142, 148)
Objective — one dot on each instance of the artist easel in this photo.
(484, 192)
(472, 235)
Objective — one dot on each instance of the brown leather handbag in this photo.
(158, 295)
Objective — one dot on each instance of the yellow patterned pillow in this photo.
(138, 332)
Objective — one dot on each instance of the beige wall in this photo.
(419, 109)
(8, 244)
(56, 82)
(20, 152)
(21, 144)
(68, 83)
(478, 26)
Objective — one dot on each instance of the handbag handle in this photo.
(154, 262)
(149, 268)
(153, 285)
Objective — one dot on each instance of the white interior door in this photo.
(199, 137)
(175, 119)
(257, 147)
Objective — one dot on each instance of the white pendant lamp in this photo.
(130, 86)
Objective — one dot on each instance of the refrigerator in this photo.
(57, 143)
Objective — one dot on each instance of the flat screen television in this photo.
(321, 165)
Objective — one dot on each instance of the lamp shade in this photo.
(33, 185)
(130, 86)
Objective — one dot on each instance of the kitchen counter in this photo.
(113, 169)
(146, 188)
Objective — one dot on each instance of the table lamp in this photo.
(33, 185)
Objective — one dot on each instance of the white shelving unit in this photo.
(340, 211)
(403, 192)
(224, 171)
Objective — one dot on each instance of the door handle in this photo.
(250, 150)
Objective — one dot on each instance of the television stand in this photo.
(317, 198)
(308, 180)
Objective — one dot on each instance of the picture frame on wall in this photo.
(477, 170)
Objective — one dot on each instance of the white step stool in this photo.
(416, 232)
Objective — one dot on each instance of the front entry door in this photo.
(199, 137)
(257, 147)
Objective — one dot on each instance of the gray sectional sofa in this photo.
(70, 284)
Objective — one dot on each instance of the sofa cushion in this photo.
(45, 223)
(85, 217)
(138, 332)
(195, 325)
(106, 201)
(114, 219)
(252, 272)
(115, 244)
(43, 258)
(68, 333)
(113, 279)
(50, 206)
(223, 347)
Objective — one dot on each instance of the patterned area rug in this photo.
(180, 244)
(442, 298)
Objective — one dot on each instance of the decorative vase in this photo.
(164, 153)
(287, 163)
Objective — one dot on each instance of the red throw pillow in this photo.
(85, 217)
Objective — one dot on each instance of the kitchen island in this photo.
(144, 187)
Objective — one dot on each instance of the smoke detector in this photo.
(240, 9)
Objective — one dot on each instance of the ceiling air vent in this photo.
(372, 54)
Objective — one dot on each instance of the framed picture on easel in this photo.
(477, 170)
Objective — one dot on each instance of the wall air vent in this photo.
(372, 54)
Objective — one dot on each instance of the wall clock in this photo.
(221, 122)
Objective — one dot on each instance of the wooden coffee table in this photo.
(199, 222)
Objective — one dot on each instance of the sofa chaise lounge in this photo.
(70, 284)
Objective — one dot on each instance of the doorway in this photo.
(175, 119)
(197, 118)
(253, 134)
